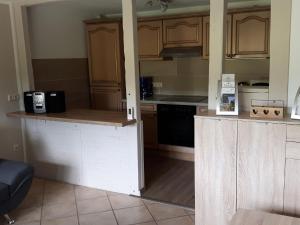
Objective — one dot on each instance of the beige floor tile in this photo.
(177, 221)
(37, 186)
(62, 221)
(110, 193)
(148, 202)
(190, 211)
(83, 193)
(133, 215)
(32, 200)
(27, 223)
(193, 217)
(61, 196)
(124, 201)
(93, 205)
(26, 215)
(148, 223)
(104, 218)
(54, 186)
(164, 211)
(58, 211)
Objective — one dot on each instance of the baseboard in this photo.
(174, 152)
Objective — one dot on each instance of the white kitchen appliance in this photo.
(249, 93)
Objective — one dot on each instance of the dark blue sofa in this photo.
(15, 182)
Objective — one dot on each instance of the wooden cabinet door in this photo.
(292, 187)
(150, 129)
(292, 177)
(183, 32)
(251, 34)
(150, 39)
(206, 27)
(106, 98)
(104, 48)
(260, 167)
(215, 170)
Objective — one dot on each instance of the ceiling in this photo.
(115, 6)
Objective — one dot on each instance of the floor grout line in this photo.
(143, 204)
(149, 212)
(113, 211)
(77, 213)
(43, 199)
(156, 221)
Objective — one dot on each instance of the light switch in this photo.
(13, 98)
(157, 84)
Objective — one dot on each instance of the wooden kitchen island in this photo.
(97, 149)
(245, 163)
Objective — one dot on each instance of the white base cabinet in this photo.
(96, 156)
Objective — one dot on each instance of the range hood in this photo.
(181, 52)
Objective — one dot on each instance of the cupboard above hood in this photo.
(181, 52)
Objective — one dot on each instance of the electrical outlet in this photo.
(157, 84)
(16, 147)
(13, 98)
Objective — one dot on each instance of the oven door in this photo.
(176, 125)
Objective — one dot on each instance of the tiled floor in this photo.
(53, 203)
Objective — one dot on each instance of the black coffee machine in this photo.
(146, 87)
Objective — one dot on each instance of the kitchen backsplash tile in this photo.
(189, 76)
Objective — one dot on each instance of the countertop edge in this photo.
(173, 103)
(245, 116)
(48, 117)
(160, 100)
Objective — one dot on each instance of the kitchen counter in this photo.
(98, 149)
(253, 163)
(245, 116)
(118, 119)
(176, 100)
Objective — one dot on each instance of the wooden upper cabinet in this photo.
(104, 47)
(150, 37)
(205, 53)
(182, 32)
(251, 34)
(206, 36)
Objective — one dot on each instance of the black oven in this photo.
(176, 125)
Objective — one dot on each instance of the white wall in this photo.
(10, 129)
(294, 73)
(57, 30)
